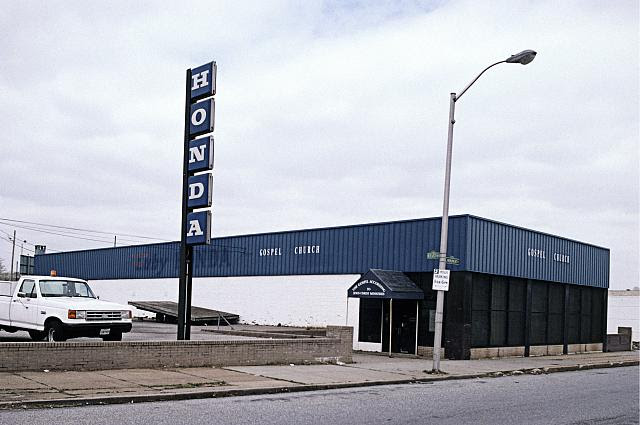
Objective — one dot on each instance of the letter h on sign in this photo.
(203, 81)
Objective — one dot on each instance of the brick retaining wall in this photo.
(158, 354)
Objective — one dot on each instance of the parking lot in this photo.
(147, 330)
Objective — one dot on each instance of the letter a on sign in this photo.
(203, 81)
(198, 228)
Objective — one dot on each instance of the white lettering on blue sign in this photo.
(200, 80)
(265, 252)
(194, 228)
(196, 153)
(198, 228)
(201, 154)
(199, 192)
(203, 81)
(201, 118)
(561, 258)
(537, 253)
(306, 249)
(196, 190)
(198, 116)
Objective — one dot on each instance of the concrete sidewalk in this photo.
(60, 388)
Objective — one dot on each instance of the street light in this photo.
(523, 58)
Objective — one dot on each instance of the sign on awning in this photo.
(385, 284)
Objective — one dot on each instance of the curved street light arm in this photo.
(476, 79)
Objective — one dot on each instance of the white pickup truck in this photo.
(58, 308)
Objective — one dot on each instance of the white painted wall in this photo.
(317, 300)
(624, 310)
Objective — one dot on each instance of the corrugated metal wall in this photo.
(398, 245)
(502, 249)
(481, 245)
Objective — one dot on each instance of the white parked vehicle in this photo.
(58, 308)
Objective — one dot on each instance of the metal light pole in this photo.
(13, 249)
(523, 58)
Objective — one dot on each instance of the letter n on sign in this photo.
(201, 154)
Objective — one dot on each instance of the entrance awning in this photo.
(385, 284)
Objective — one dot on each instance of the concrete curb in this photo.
(145, 398)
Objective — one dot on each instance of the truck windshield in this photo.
(65, 288)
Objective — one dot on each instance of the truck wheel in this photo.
(113, 336)
(54, 332)
(37, 335)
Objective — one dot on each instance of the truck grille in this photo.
(103, 315)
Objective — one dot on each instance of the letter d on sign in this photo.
(200, 191)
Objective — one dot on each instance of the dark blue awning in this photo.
(385, 284)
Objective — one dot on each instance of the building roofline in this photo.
(341, 227)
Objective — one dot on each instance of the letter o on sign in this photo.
(198, 116)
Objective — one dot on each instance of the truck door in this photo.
(24, 307)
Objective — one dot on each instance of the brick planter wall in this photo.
(159, 354)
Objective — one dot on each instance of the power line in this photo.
(69, 234)
(72, 236)
(9, 235)
(82, 230)
(28, 243)
(11, 243)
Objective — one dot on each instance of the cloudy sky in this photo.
(328, 113)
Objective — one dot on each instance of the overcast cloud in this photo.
(327, 113)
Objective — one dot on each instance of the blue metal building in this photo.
(511, 286)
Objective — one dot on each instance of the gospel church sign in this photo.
(197, 181)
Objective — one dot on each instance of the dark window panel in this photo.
(517, 294)
(538, 297)
(596, 316)
(556, 298)
(554, 329)
(573, 304)
(370, 320)
(538, 335)
(479, 328)
(498, 337)
(585, 329)
(481, 293)
(573, 328)
(499, 293)
(585, 301)
(515, 335)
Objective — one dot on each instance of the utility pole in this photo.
(114, 240)
(13, 250)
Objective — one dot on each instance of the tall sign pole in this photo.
(197, 182)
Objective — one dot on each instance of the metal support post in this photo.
(390, 323)
(13, 249)
(186, 252)
(444, 230)
(417, 314)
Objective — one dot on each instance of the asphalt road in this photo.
(599, 396)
